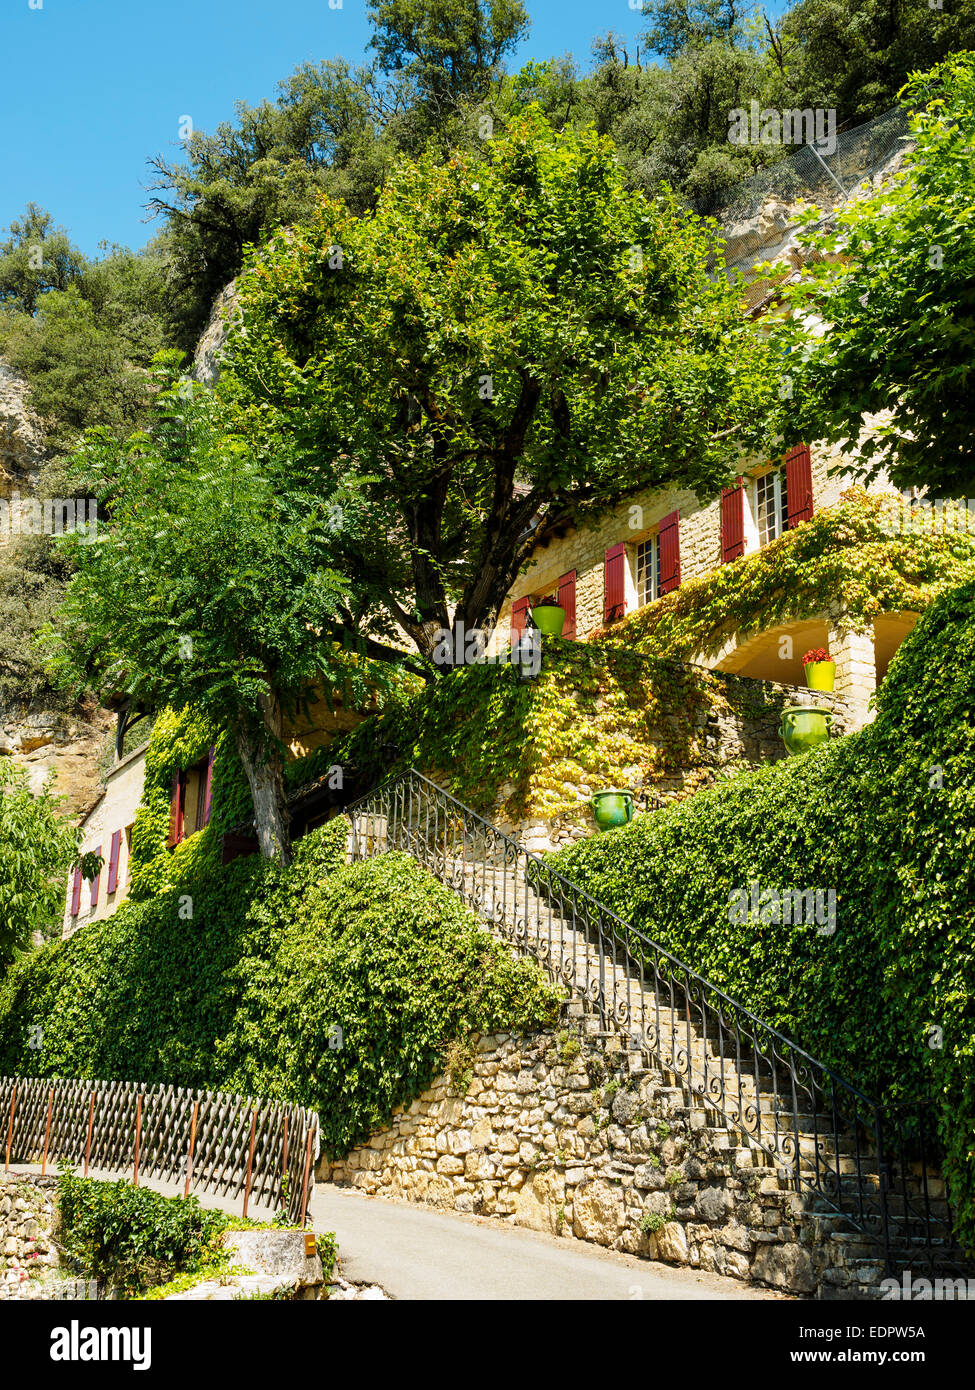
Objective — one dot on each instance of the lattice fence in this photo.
(259, 1150)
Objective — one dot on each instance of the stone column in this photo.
(856, 672)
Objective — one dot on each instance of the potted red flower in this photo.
(548, 616)
(819, 669)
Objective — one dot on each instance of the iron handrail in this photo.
(580, 893)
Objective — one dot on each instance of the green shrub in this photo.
(132, 1237)
(242, 977)
(886, 817)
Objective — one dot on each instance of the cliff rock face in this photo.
(206, 358)
(21, 435)
(37, 739)
(74, 750)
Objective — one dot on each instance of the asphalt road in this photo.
(420, 1253)
(417, 1252)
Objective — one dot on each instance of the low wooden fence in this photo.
(260, 1150)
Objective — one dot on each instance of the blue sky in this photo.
(92, 88)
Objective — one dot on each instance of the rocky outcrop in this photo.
(21, 435)
(206, 358)
(73, 749)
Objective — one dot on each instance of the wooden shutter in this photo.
(567, 600)
(113, 855)
(519, 617)
(208, 789)
(76, 892)
(176, 806)
(669, 541)
(95, 882)
(614, 583)
(798, 482)
(732, 521)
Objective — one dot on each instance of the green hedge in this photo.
(885, 817)
(238, 979)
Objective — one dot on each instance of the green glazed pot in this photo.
(612, 808)
(820, 675)
(803, 726)
(549, 619)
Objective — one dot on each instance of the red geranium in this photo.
(817, 654)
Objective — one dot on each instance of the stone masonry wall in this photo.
(568, 1134)
(28, 1219)
(736, 730)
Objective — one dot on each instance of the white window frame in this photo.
(645, 580)
(776, 479)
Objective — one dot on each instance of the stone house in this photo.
(107, 830)
(660, 539)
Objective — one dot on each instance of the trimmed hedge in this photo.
(239, 978)
(885, 817)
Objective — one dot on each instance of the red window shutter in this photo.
(177, 805)
(208, 789)
(669, 553)
(614, 583)
(113, 854)
(95, 882)
(519, 616)
(76, 892)
(567, 600)
(732, 521)
(798, 483)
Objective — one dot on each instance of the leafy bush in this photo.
(885, 817)
(241, 977)
(36, 848)
(131, 1236)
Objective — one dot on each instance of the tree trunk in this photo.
(264, 768)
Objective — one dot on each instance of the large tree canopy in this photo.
(210, 585)
(507, 342)
(897, 294)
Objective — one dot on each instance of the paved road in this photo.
(416, 1252)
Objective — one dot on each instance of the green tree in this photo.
(37, 847)
(35, 258)
(209, 586)
(896, 296)
(856, 55)
(451, 49)
(507, 344)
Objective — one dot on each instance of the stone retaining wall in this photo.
(566, 1133)
(736, 728)
(28, 1220)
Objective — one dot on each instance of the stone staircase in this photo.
(811, 1132)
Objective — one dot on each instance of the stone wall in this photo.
(115, 810)
(28, 1219)
(734, 728)
(566, 1133)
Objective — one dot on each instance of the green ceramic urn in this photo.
(612, 808)
(803, 726)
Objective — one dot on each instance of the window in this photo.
(771, 505)
(647, 570)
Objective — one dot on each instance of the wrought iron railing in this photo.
(835, 1142)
